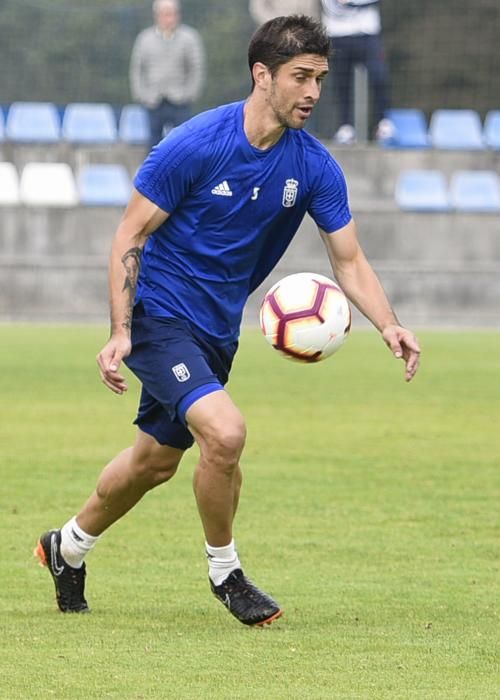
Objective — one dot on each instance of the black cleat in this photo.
(245, 601)
(69, 582)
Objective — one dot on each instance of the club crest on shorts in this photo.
(181, 372)
(290, 192)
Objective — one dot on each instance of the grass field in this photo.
(370, 510)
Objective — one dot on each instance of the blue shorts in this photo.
(175, 367)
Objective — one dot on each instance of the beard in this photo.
(285, 113)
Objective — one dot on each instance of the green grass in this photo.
(370, 510)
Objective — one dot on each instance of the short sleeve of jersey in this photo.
(170, 169)
(329, 205)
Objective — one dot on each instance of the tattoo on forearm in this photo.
(132, 264)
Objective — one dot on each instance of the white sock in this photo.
(75, 543)
(221, 561)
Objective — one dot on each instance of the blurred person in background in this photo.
(355, 31)
(167, 66)
(264, 10)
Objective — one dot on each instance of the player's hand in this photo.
(109, 360)
(404, 345)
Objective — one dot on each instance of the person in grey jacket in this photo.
(167, 67)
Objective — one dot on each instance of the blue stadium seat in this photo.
(410, 129)
(104, 185)
(422, 190)
(33, 122)
(456, 129)
(491, 131)
(133, 125)
(475, 191)
(89, 123)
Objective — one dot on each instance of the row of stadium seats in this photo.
(99, 123)
(459, 129)
(55, 185)
(78, 123)
(475, 191)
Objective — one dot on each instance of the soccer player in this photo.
(215, 205)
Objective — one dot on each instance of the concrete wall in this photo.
(438, 269)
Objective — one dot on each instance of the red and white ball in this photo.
(305, 316)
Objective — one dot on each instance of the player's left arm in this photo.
(363, 288)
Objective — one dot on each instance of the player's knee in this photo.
(225, 443)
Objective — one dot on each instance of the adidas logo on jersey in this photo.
(223, 190)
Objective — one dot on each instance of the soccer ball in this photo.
(305, 316)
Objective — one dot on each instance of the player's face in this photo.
(295, 89)
(167, 17)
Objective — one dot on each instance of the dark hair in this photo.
(282, 38)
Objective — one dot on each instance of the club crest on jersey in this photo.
(181, 372)
(290, 192)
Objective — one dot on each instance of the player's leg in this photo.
(219, 430)
(126, 479)
(120, 486)
(153, 459)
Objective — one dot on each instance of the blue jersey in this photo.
(233, 211)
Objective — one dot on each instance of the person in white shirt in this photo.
(355, 31)
(264, 10)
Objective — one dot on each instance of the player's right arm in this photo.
(140, 219)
